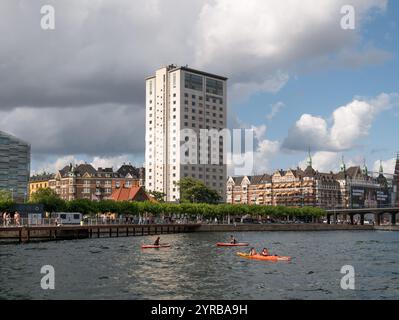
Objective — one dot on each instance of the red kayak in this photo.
(151, 246)
(222, 244)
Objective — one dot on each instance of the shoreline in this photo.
(10, 235)
(281, 227)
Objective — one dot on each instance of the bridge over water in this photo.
(377, 212)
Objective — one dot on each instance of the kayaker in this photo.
(252, 252)
(265, 252)
(233, 240)
(156, 243)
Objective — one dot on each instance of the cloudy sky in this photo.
(296, 77)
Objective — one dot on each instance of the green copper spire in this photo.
(309, 162)
(343, 166)
(365, 170)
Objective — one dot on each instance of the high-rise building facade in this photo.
(14, 166)
(181, 104)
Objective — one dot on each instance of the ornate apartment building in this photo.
(396, 184)
(349, 188)
(85, 182)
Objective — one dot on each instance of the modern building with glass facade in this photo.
(14, 166)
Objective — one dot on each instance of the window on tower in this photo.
(193, 81)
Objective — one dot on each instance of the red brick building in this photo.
(85, 182)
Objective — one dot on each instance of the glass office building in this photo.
(14, 166)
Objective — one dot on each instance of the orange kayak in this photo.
(260, 257)
(222, 244)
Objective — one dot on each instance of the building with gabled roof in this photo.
(39, 181)
(83, 181)
(135, 193)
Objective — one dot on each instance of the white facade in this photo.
(179, 103)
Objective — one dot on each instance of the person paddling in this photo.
(252, 252)
(156, 243)
(233, 240)
(265, 252)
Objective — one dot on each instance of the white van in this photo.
(67, 217)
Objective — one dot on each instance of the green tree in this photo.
(195, 191)
(84, 206)
(5, 196)
(159, 196)
(49, 199)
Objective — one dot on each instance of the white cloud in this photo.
(268, 39)
(387, 165)
(110, 162)
(80, 88)
(275, 109)
(350, 123)
(101, 51)
(58, 164)
(354, 120)
(323, 161)
(96, 162)
(93, 130)
(264, 151)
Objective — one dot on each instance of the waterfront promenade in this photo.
(25, 234)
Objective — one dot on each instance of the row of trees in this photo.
(52, 203)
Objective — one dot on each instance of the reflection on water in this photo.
(194, 268)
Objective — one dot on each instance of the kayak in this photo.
(260, 257)
(151, 246)
(222, 244)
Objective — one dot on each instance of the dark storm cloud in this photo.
(99, 52)
(80, 88)
(95, 130)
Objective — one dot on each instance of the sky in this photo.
(296, 77)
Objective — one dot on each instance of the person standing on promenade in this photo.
(17, 218)
(4, 218)
(8, 219)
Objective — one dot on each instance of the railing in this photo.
(90, 221)
(28, 222)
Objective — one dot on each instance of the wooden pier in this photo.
(42, 233)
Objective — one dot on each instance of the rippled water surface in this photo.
(194, 268)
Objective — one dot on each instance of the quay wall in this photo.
(280, 227)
